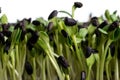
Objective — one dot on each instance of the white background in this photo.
(19, 9)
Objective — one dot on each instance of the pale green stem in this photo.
(77, 52)
(98, 71)
(116, 69)
(43, 70)
(34, 69)
(103, 58)
(89, 75)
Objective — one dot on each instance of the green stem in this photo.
(116, 69)
(58, 44)
(49, 69)
(98, 71)
(18, 65)
(49, 53)
(77, 51)
(88, 75)
(5, 75)
(103, 59)
(107, 64)
(54, 62)
(73, 10)
(12, 54)
(34, 69)
(66, 13)
(55, 65)
(23, 57)
(43, 70)
(67, 77)
(107, 70)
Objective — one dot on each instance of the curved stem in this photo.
(34, 69)
(97, 74)
(43, 70)
(107, 70)
(66, 13)
(49, 53)
(67, 77)
(88, 76)
(77, 52)
(73, 10)
(116, 69)
(103, 59)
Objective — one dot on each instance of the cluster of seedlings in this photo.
(60, 48)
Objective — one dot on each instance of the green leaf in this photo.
(102, 31)
(114, 17)
(107, 15)
(91, 29)
(90, 60)
(116, 34)
(4, 19)
(105, 28)
(44, 22)
(72, 30)
(78, 40)
(44, 36)
(82, 33)
(11, 28)
(43, 40)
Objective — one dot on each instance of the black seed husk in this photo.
(94, 21)
(5, 26)
(29, 45)
(50, 26)
(34, 37)
(22, 37)
(28, 20)
(112, 49)
(84, 25)
(103, 24)
(7, 46)
(69, 21)
(80, 26)
(2, 40)
(51, 36)
(83, 75)
(7, 33)
(53, 14)
(20, 24)
(32, 40)
(89, 51)
(63, 62)
(98, 33)
(36, 22)
(64, 33)
(94, 51)
(78, 4)
(28, 68)
(29, 31)
(113, 26)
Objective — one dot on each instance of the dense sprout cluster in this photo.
(60, 48)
